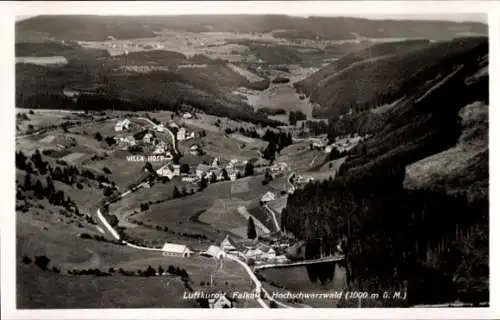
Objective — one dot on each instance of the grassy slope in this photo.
(465, 164)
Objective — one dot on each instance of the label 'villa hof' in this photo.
(139, 158)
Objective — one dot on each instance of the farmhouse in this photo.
(181, 134)
(254, 253)
(169, 171)
(189, 178)
(267, 252)
(176, 250)
(159, 128)
(228, 245)
(187, 115)
(201, 170)
(122, 125)
(268, 196)
(216, 252)
(147, 138)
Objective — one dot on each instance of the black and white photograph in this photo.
(250, 160)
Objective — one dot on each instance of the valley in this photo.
(183, 156)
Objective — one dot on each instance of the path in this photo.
(271, 212)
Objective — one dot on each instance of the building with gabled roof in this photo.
(176, 250)
(216, 252)
(268, 196)
(228, 245)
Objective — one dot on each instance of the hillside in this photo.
(462, 168)
(415, 194)
(379, 74)
(98, 28)
(139, 81)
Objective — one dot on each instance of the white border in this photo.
(9, 10)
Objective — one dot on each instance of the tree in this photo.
(98, 136)
(213, 178)
(42, 262)
(248, 169)
(251, 232)
(225, 176)
(150, 272)
(203, 183)
(184, 168)
(160, 270)
(27, 182)
(176, 193)
(113, 220)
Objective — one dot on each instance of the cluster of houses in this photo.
(182, 133)
(341, 143)
(247, 250)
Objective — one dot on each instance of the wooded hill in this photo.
(434, 240)
(98, 28)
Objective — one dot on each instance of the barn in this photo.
(216, 252)
(176, 250)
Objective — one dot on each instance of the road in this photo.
(300, 263)
(258, 284)
(271, 212)
(172, 136)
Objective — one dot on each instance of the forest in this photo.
(396, 235)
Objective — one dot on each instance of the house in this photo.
(201, 170)
(233, 174)
(181, 134)
(194, 150)
(189, 178)
(215, 163)
(328, 149)
(160, 148)
(216, 252)
(281, 259)
(254, 253)
(159, 128)
(166, 171)
(222, 301)
(122, 125)
(268, 196)
(147, 138)
(173, 125)
(177, 169)
(176, 250)
(187, 115)
(267, 252)
(228, 245)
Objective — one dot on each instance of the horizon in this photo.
(458, 18)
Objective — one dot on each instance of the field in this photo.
(300, 157)
(178, 214)
(37, 289)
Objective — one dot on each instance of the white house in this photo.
(161, 148)
(177, 169)
(254, 253)
(166, 171)
(176, 250)
(215, 163)
(233, 174)
(228, 245)
(268, 196)
(122, 125)
(159, 128)
(201, 170)
(268, 253)
(147, 138)
(181, 134)
(187, 115)
(216, 252)
(189, 178)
